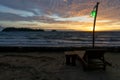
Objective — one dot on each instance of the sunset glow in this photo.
(60, 14)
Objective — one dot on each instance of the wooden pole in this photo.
(95, 24)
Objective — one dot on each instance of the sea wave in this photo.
(60, 38)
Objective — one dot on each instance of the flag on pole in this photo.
(93, 12)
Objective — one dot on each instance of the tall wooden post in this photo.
(96, 9)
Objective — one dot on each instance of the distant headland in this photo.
(20, 29)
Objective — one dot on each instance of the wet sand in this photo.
(51, 66)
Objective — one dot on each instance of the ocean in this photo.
(59, 39)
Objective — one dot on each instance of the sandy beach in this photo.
(51, 66)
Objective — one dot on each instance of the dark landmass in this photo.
(54, 30)
(20, 29)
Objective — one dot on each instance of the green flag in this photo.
(93, 13)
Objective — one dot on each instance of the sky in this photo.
(60, 14)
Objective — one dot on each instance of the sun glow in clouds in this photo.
(60, 14)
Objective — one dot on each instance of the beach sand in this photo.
(51, 66)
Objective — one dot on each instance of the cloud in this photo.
(72, 19)
(59, 12)
(22, 13)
